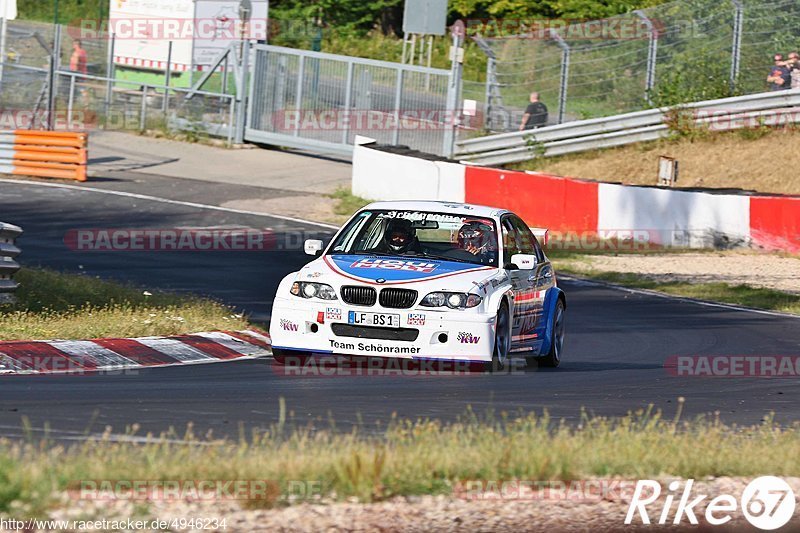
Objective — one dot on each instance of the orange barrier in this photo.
(44, 154)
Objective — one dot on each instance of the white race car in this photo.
(424, 280)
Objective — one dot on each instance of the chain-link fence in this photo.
(41, 88)
(684, 51)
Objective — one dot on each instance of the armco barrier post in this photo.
(8, 264)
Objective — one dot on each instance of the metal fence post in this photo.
(398, 97)
(143, 110)
(736, 48)
(562, 91)
(453, 96)
(652, 54)
(110, 76)
(71, 101)
(3, 30)
(241, 91)
(301, 67)
(51, 90)
(348, 102)
(167, 79)
(491, 73)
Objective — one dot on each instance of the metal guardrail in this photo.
(8, 264)
(720, 115)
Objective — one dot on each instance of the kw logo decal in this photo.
(468, 338)
(288, 326)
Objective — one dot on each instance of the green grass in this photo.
(346, 202)
(67, 306)
(408, 458)
(744, 295)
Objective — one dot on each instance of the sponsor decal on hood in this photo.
(371, 268)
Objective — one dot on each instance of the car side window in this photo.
(510, 239)
(527, 239)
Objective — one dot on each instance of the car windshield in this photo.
(431, 235)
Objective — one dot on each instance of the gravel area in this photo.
(735, 268)
(562, 509)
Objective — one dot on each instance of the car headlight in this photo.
(305, 289)
(453, 300)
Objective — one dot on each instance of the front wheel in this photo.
(553, 357)
(502, 340)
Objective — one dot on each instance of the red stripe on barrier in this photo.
(557, 203)
(41, 357)
(136, 351)
(775, 223)
(208, 346)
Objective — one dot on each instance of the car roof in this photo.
(439, 207)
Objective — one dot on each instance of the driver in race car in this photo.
(477, 238)
(399, 237)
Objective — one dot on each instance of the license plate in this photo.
(373, 319)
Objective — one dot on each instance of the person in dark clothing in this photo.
(535, 114)
(780, 77)
(399, 238)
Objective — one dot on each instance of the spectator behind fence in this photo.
(779, 77)
(794, 69)
(535, 114)
(77, 63)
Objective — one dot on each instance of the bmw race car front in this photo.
(330, 307)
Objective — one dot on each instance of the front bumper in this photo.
(305, 325)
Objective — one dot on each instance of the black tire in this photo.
(553, 357)
(502, 340)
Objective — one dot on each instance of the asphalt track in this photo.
(616, 347)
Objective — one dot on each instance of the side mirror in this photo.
(524, 261)
(313, 247)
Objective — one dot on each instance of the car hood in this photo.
(389, 270)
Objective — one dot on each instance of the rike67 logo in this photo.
(767, 502)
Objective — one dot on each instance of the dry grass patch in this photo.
(724, 160)
(52, 305)
(409, 458)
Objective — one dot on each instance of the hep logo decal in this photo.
(468, 338)
(288, 326)
(416, 319)
(395, 264)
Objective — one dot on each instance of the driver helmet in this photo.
(477, 235)
(399, 235)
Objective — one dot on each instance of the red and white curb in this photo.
(102, 355)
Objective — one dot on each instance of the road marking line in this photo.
(649, 292)
(168, 201)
